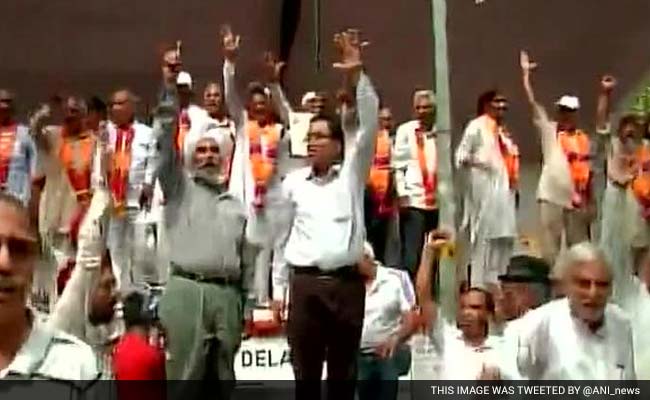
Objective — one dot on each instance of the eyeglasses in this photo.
(19, 248)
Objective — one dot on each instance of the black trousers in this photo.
(414, 225)
(325, 324)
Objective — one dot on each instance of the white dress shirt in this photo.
(555, 345)
(386, 303)
(143, 160)
(634, 298)
(327, 230)
(405, 163)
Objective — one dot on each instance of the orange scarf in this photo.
(120, 166)
(76, 155)
(379, 180)
(576, 150)
(641, 183)
(7, 143)
(429, 179)
(262, 153)
(184, 126)
(508, 149)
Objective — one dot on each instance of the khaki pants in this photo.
(555, 220)
(204, 324)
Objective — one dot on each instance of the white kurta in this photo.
(553, 345)
(273, 219)
(489, 203)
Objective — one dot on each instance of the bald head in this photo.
(213, 100)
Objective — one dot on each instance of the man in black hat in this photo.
(524, 286)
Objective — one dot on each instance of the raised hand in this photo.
(273, 67)
(436, 240)
(349, 46)
(526, 64)
(608, 83)
(230, 43)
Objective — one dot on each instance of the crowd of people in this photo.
(162, 240)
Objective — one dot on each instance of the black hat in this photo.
(526, 269)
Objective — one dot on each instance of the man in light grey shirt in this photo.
(211, 258)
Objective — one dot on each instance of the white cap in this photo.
(184, 79)
(570, 102)
(309, 96)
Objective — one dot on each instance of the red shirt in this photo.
(135, 359)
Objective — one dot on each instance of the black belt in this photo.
(219, 280)
(345, 271)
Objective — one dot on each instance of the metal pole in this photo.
(448, 287)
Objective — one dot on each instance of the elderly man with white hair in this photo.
(211, 259)
(582, 336)
(415, 162)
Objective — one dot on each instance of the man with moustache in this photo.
(213, 104)
(29, 349)
(211, 260)
(582, 336)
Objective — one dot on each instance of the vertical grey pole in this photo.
(448, 287)
(317, 34)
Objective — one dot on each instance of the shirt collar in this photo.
(332, 173)
(33, 350)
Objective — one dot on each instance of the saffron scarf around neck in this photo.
(641, 182)
(120, 166)
(507, 148)
(429, 175)
(379, 180)
(76, 156)
(7, 145)
(576, 148)
(262, 154)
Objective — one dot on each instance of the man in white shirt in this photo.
(580, 337)
(219, 120)
(325, 243)
(565, 185)
(28, 348)
(387, 323)
(131, 169)
(464, 350)
(415, 162)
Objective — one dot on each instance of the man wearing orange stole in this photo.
(130, 180)
(254, 176)
(66, 154)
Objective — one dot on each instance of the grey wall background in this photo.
(98, 45)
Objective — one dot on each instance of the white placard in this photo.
(264, 359)
(298, 129)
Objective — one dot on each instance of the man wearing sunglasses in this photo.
(171, 66)
(491, 158)
(28, 348)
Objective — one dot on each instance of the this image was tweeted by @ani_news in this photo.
(579, 389)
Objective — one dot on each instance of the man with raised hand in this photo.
(327, 293)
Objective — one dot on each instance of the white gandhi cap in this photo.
(184, 79)
(570, 102)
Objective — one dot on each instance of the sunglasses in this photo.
(20, 248)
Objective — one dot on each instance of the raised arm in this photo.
(233, 101)
(607, 85)
(170, 171)
(349, 46)
(527, 67)
(274, 69)
(70, 312)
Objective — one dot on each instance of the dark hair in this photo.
(96, 104)
(484, 99)
(334, 126)
(135, 310)
(629, 119)
(256, 88)
(489, 299)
